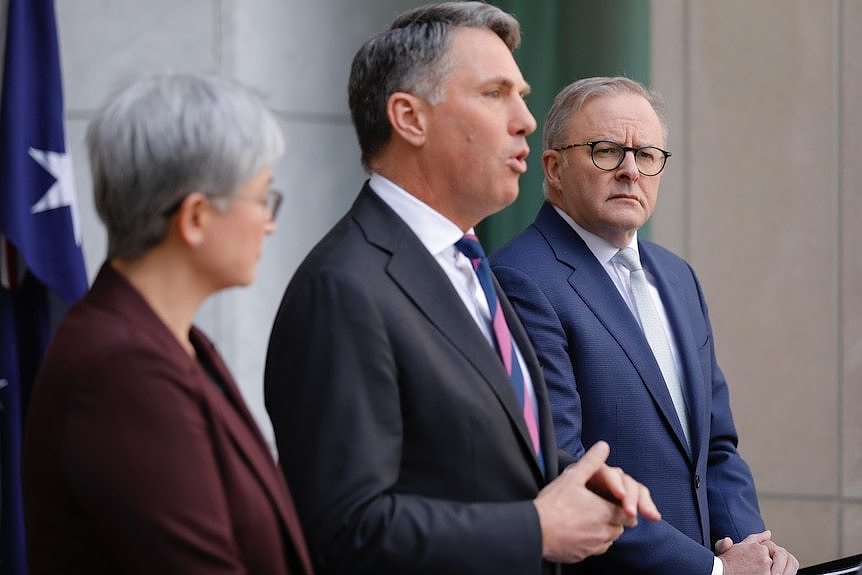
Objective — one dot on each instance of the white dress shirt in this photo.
(438, 234)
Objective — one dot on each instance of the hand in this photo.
(783, 562)
(748, 557)
(577, 522)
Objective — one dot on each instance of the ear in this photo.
(408, 117)
(191, 219)
(552, 164)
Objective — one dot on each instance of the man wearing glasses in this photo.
(622, 331)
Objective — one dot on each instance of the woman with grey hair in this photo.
(140, 455)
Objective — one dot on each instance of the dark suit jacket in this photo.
(604, 383)
(135, 461)
(398, 428)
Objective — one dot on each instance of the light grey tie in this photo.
(654, 331)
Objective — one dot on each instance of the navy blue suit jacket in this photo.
(604, 383)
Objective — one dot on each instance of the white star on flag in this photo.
(62, 193)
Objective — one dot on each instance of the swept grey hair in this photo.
(573, 97)
(411, 56)
(164, 137)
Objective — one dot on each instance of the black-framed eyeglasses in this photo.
(609, 156)
(272, 201)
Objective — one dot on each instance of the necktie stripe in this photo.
(504, 339)
(531, 418)
(469, 245)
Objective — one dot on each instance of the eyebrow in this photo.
(614, 141)
(508, 83)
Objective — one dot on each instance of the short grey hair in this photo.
(164, 137)
(412, 56)
(573, 97)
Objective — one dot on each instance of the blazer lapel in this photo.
(252, 446)
(419, 276)
(592, 284)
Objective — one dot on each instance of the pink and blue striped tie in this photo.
(469, 245)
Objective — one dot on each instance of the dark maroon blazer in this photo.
(136, 461)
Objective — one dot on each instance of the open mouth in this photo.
(518, 162)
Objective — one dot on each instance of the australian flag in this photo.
(41, 264)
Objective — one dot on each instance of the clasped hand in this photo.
(757, 554)
(584, 510)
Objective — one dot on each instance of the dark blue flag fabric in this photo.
(41, 264)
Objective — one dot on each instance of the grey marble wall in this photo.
(762, 196)
(297, 53)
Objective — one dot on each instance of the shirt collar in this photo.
(435, 231)
(601, 248)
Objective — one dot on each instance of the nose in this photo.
(628, 170)
(523, 123)
(269, 227)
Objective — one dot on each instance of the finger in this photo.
(647, 506)
(620, 517)
(779, 563)
(773, 548)
(762, 537)
(593, 460)
(628, 499)
(637, 498)
(609, 482)
(722, 545)
(783, 563)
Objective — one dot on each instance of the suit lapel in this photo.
(420, 277)
(592, 284)
(252, 446)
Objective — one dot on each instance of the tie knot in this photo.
(628, 257)
(469, 246)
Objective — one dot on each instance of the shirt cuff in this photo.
(717, 566)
